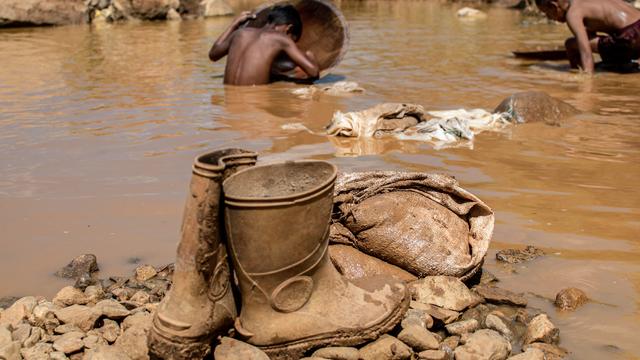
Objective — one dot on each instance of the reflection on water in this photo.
(99, 126)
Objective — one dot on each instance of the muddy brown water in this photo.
(98, 127)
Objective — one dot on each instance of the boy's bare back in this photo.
(251, 51)
(608, 16)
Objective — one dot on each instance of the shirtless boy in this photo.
(585, 18)
(252, 51)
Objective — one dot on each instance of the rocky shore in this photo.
(448, 319)
(63, 12)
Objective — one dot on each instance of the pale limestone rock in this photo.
(93, 341)
(418, 338)
(69, 342)
(498, 323)
(386, 347)
(462, 327)
(133, 342)
(433, 355)
(110, 330)
(145, 272)
(111, 309)
(105, 353)
(216, 8)
(65, 328)
(337, 353)
(444, 291)
(69, 295)
(231, 349)
(530, 354)
(141, 320)
(82, 316)
(484, 344)
(20, 310)
(39, 351)
(10, 351)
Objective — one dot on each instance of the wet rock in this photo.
(570, 299)
(231, 349)
(39, 351)
(530, 354)
(82, 316)
(418, 338)
(500, 324)
(123, 294)
(497, 295)
(69, 342)
(433, 355)
(133, 342)
(462, 327)
(20, 310)
(484, 344)
(106, 353)
(41, 12)
(69, 295)
(83, 264)
(337, 353)
(138, 320)
(536, 106)
(445, 291)
(83, 281)
(416, 317)
(386, 347)
(110, 330)
(486, 278)
(166, 272)
(10, 351)
(515, 256)
(145, 272)
(7, 301)
(111, 309)
(211, 8)
(444, 315)
(541, 329)
(551, 352)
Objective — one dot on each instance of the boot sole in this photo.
(295, 350)
(176, 347)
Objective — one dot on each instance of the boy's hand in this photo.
(244, 17)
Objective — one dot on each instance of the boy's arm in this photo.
(221, 47)
(575, 21)
(306, 63)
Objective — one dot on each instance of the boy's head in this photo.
(286, 19)
(554, 9)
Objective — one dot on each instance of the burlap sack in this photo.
(423, 223)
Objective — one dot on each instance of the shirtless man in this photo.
(252, 51)
(585, 18)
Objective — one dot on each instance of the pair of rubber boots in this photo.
(277, 229)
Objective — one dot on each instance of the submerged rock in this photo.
(484, 344)
(83, 264)
(445, 291)
(514, 256)
(232, 349)
(541, 329)
(570, 299)
(536, 106)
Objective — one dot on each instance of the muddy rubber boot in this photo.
(200, 304)
(293, 298)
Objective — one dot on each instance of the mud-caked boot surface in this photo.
(200, 303)
(293, 299)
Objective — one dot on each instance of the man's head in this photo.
(285, 18)
(554, 9)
